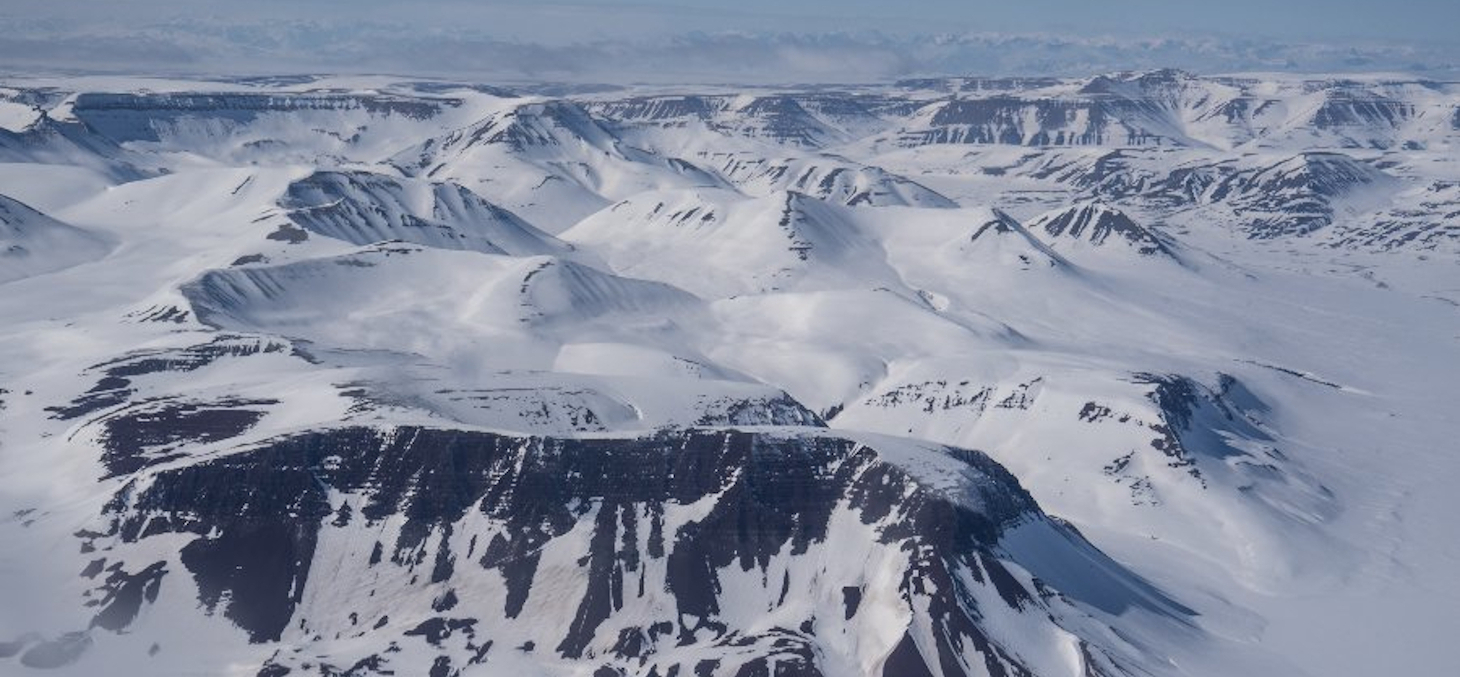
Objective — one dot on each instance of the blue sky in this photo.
(811, 39)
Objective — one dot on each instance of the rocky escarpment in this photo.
(1100, 225)
(707, 552)
(124, 117)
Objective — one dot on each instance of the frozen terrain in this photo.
(1145, 374)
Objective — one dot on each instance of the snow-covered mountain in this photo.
(363, 208)
(32, 243)
(780, 242)
(1140, 375)
(1097, 226)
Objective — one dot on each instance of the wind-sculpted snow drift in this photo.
(1139, 375)
(32, 243)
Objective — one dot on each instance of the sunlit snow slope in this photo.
(1139, 375)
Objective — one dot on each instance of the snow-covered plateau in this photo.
(1139, 375)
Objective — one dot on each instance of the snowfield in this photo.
(1146, 374)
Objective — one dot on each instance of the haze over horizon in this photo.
(609, 40)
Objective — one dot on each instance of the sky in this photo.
(710, 39)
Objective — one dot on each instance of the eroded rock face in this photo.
(139, 117)
(773, 552)
(1095, 223)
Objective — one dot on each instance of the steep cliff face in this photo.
(123, 117)
(1097, 225)
(1297, 195)
(707, 552)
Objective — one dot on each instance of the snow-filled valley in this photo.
(1145, 374)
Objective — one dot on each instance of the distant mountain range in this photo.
(623, 50)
